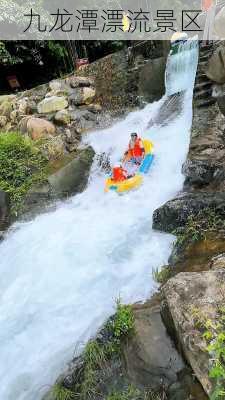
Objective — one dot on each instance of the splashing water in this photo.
(61, 272)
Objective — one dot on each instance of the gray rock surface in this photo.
(150, 356)
(195, 291)
(174, 214)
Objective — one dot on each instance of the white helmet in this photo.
(117, 165)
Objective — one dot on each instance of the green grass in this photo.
(132, 393)
(97, 356)
(197, 227)
(162, 275)
(122, 324)
(21, 165)
(61, 393)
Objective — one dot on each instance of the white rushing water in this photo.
(61, 272)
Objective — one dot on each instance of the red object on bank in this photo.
(13, 82)
(81, 62)
(206, 4)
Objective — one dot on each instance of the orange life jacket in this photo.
(137, 149)
(119, 174)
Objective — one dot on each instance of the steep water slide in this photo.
(62, 271)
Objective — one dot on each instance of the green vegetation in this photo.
(197, 226)
(61, 393)
(97, 356)
(122, 324)
(21, 164)
(132, 393)
(162, 275)
(214, 335)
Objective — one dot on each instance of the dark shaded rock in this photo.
(198, 172)
(73, 177)
(66, 181)
(195, 291)
(4, 209)
(174, 214)
(151, 359)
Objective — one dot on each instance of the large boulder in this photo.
(39, 128)
(190, 296)
(150, 356)
(216, 66)
(52, 104)
(82, 96)
(4, 209)
(73, 177)
(175, 213)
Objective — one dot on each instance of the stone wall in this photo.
(120, 81)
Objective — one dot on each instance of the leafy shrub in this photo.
(123, 323)
(21, 164)
(214, 335)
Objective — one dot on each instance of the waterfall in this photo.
(62, 271)
(181, 67)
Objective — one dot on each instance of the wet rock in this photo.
(73, 177)
(195, 291)
(199, 172)
(4, 209)
(216, 66)
(83, 95)
(80, 81)
(174, 214)
(39, 128)
(62, 117)
(151, 359)
(52, 104)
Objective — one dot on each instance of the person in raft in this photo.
(136, 150)
(119, 174)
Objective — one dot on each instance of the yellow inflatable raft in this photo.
(137, 179)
